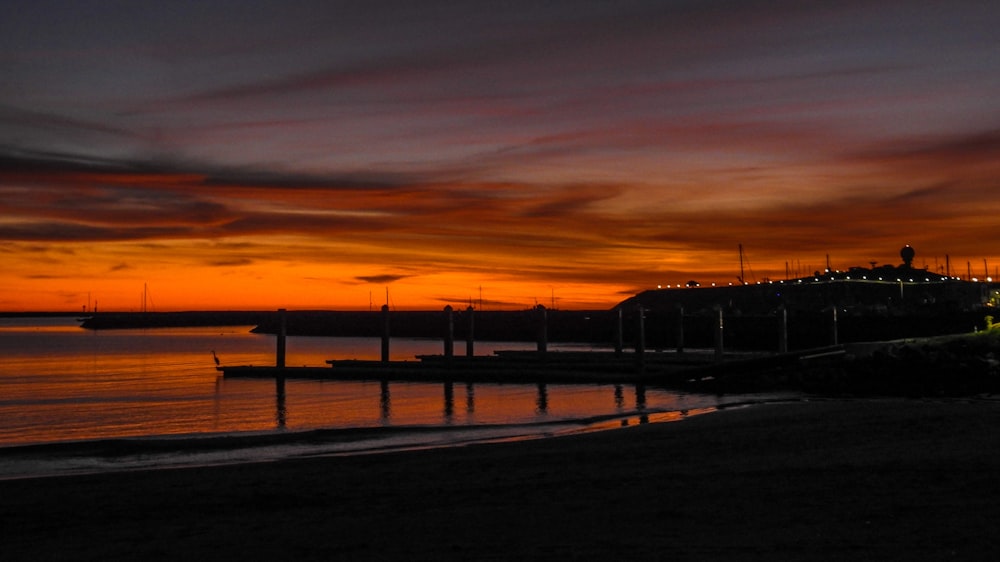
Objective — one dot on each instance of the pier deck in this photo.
(545, 368)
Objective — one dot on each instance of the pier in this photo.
(550, 367)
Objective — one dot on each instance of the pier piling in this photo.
(385, 333)
(470, 335)
(279, 360)
(640, 336)
(680, 329)
(719, 332)
(543, 329)
(640, 333)
(449, 332)
(782, 329)
(619, 335)
(833, 326)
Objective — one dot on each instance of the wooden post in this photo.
(782, 329)
(543, 329)
(619, 336)
(385, 333)
(470, 337)
(680, 329)
(279, 360)
(833, 325)
(449, 334)
(640, 336)
(719, 332)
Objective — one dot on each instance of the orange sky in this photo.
(556, 154)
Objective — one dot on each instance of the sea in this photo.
(78, 401)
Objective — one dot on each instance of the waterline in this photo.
(174, 452)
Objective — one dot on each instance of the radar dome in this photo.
(907, 254)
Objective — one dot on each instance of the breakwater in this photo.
(661, 328)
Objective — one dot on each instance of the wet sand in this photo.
(824, 480)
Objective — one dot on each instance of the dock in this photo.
(554, 367)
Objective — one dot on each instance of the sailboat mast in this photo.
(742, 279)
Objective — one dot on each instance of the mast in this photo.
(742, 280)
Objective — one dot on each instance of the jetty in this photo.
(553, 367)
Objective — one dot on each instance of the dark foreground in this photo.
(879, 480)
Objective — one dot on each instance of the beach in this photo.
(812, 480)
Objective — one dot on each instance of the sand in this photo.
(822, 480)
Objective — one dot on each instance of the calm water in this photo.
(59, 382)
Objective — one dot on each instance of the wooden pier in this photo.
(553, 367)
(680, 367)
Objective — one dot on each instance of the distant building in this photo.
(882, 290)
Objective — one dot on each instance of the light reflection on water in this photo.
(59, 383)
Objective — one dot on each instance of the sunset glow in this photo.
(255, 155)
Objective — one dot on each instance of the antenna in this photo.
(742, 281)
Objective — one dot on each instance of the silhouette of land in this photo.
(744, 331)
(863, 304)
(819, 480)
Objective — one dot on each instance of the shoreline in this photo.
(819, 480)
(170, 452)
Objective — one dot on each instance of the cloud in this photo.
(235, 262)
(381, 279)
(951, 152)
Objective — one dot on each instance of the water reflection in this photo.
(542, 403)
(449, 401)
(384, 401)
(64, 383)
(282, 409)
(568, 397)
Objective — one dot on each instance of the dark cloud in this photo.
(67, 232)
(953, 150)
(381, 279)
(235, 262)
(33, 163)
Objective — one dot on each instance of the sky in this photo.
(326, 154)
